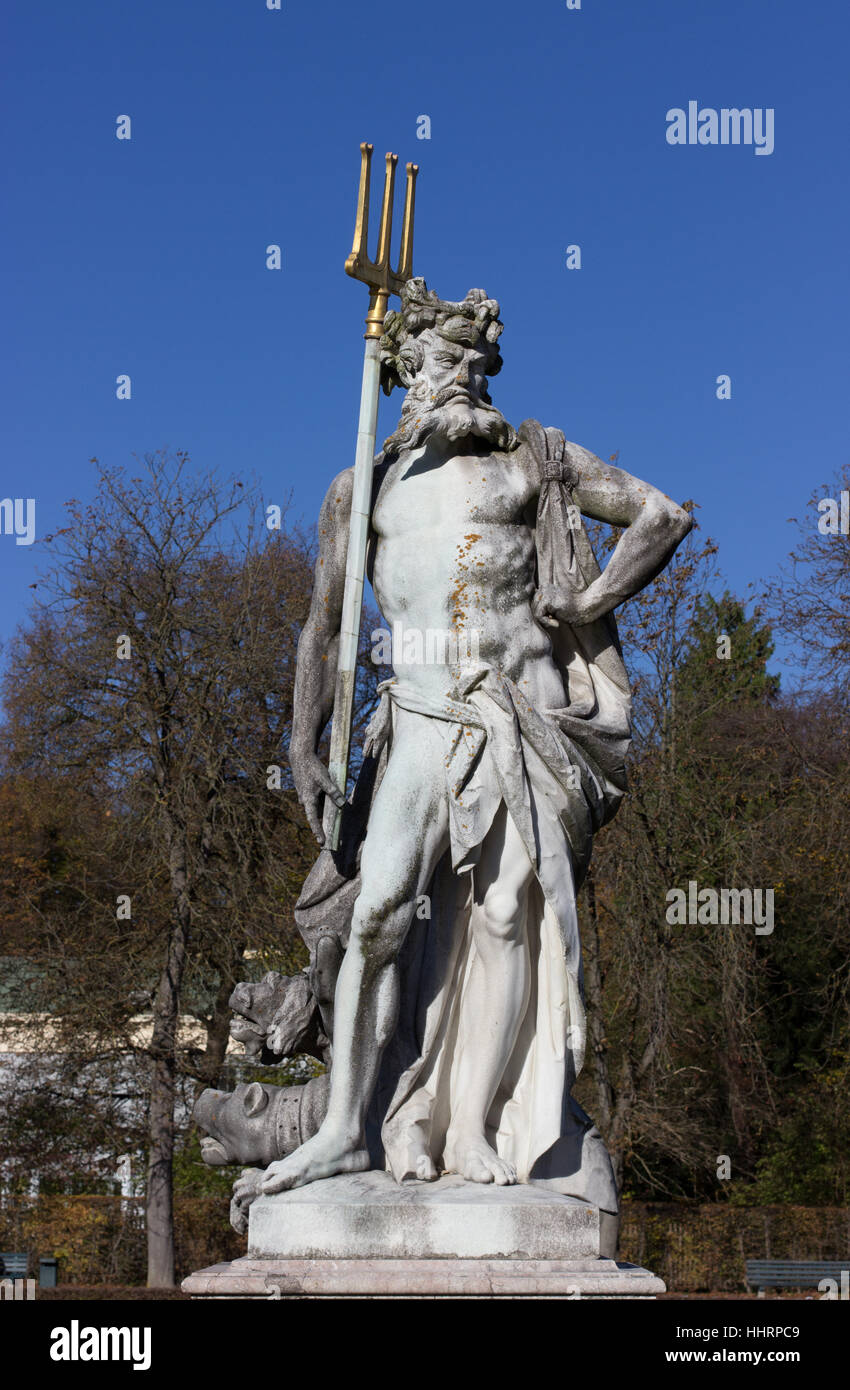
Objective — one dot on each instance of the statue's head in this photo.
(240, 1125)
(258, 1123)
(443, 353)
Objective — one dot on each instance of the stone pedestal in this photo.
(364, 1236)
(565, 1279)
(368, 1216)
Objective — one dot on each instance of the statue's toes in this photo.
(477, 1170)
(426, 1170)
(278, 1178)
(504, 1174)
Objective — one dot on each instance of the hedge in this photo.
(101, 1240)
(703, 1248)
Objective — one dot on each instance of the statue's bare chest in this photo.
(415, 499)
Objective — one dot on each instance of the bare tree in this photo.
(809, 601)
(157, 671)
(670, 1011)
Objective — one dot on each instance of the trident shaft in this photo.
(382, 282)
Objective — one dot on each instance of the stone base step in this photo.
(425, 1278)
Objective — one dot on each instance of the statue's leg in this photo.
(495, 1000)
(407, 833)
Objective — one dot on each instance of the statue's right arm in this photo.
(318, 649)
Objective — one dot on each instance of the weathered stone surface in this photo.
(370, 1216)
(563, 1279)
(445, 953)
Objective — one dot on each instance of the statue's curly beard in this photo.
(452, 415)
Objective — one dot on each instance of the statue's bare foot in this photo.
(323, 1156)
(474, 1159)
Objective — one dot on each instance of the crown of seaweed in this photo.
(473, 320)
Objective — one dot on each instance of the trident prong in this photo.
(381, 279)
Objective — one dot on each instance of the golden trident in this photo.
(382, 282)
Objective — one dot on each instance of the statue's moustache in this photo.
(451, 393)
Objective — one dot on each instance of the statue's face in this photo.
(447, 397)
(453, 374)
(240, 1125)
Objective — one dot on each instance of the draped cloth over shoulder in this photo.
(560, 773)
(589, 657)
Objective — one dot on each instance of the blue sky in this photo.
(548, 127)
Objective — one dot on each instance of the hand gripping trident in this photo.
(382, 282)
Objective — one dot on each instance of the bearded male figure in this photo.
(460, 1030)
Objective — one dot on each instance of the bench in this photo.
(13, 1266)
(795, 1274)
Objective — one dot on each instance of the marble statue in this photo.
(444, 984)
